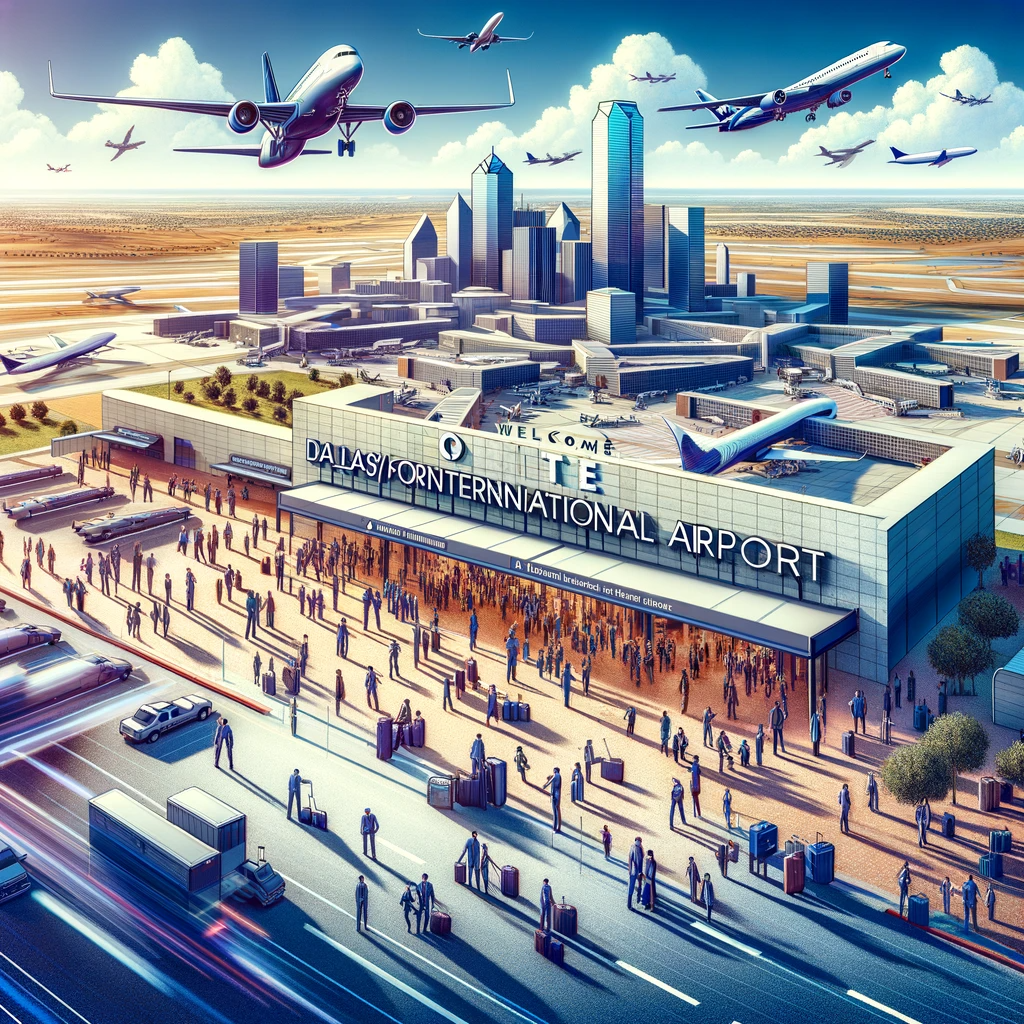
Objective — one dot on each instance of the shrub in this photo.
(277, 393)
(3, 421)
(263, 390)
(252, 383)
(989, 615)
(961, 742)
(189, 397)
(39, 410)
(222, 375)
(250, 404)
(1010, 763)
(345, 379)
(212, 390)
(280, 413)
(17, 412)
(914, 773)
(179, 387)
(229, 397)
(67, 428)
(314, 374)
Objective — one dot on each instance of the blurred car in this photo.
(98, 669)
(152, 720)
(98, 530)
(14, 878)
(17, 638)
(262, 883)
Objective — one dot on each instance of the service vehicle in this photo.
(17, 638)
(152, 720)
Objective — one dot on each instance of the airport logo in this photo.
(451, 446)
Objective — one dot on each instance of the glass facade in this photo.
(420, 245)
(492, 220)
(459, 242)
(533, 263)
(184, 453)
(257, 277)
(575, 273)
(829, 283)
(685, 258)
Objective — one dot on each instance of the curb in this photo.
(165, 665)
(958, 940)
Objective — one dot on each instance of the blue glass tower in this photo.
(684, 258)
(829, 283)
(533, 263)
(575, 273)
(492, 220)
(617, 200)
(459, 242)
(257, 277)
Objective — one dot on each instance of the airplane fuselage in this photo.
(61, 355)
(486, 36)
(938, 158)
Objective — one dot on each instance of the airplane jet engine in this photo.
(243, 116)
(399, 117)
(837, 99)
(774, 99)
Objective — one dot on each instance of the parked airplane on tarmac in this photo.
(830, 87)
(66, 352)
(115, 294)
(318, 103)
(486, 38)
(844, 157)
(653, 79)
(549, 159)
(123, 147)
(937, 158)
(967, 101)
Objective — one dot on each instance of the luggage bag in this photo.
(472, 675)
(497, 787)
(850, 744)
(441, 792)
(269, 684)
(991, 865)
(564, 918)
(917, 910)
(1000, 841)
(510, 882)
(794, 873)
(988, 794)
(821, 861)
(440, 923)
(764, 839)
(384, 737)
(949, 825)
(460, 874)
(556, 952)
(418, 732)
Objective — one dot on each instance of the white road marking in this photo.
(727, 939)
(881, 1006)
(53, 995)
(384, 976)
(657, 983)
(399, 850)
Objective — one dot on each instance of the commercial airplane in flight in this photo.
(967, 101)
(123, 147)
(829, 86)
(115, 294)
(59, 170)
(756, 442)
(549, 159)
(654, 79)
(318, 103)
(486, 37)
(937, 158)
(844, 157)
(66, 352)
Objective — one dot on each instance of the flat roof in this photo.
(797, 627)
(206, 806)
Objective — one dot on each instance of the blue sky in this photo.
(93, 46)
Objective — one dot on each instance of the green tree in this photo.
(280, 413)
(980, 552)
(179, 387)
(17, 413)
(222, 375)
(989, 615)
(3, 421)
(314, 374)
(1010, 763)
(263, 390)
(252, 383)
(212, 390)
(40, 410)
(914, 773)
(961, 742)
(189, 397)
(277, 393)
(293, 394)
(250, 404)
(229, 397)
(957, 653)
(67, 428)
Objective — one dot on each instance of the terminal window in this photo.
(184, 453)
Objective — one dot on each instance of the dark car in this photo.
(262, 883)
(14, 878)
(17, 638)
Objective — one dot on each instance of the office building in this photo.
(721, 263)
(655, 241)
(459, 241)
(611, 316)
(436, 268)
(828, 283)
(617, 199)
(746, 285)
(420, 245)
(565, 223)
(290, 282)
(334, 278)
(575, 273)
(684, 258)
(257, 277)
(533, 263)
(527, 218)
(492, 220)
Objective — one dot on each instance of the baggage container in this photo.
(988, 794)
(850, 744)
(556, 952)
(612, 769)
(764, 839)
(460, 874)
(440, 923)
(214, 822)
(949, 825)
(1000, 841)
(312, 815)
(510, 882)
(435, 641)
(265, 565)
(289, 679)
(418, 733)
(385, 737)
(564, 919)
(497, 782)
(509, 710)
(270, 684)
(917, 911)
(472, 672)
(541, 940)
(441, 792)
(470, 791)
(460, 680)
(920, 717)
(821, 861)
(991, 865)
(794, 873)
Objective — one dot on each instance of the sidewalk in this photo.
(795, 790)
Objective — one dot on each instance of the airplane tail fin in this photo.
(59, 342)
(824, 151)
(959, 95)
(270, 91)
(9, 363)
(722, 113)
(530, 157)
(896, 153)
(694, 458)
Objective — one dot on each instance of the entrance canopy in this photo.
(130, 438)
(247, 473)
(806, 630)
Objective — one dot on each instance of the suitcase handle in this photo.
(818, 837)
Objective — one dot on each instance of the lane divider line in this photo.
(874, 1004)
(657, 983)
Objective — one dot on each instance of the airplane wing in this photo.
(354, 113)
(128, 136)
(513, 39)
(806, 455)
(117, 154)
(247, 151)
(270, 113)
(733, 101)
(464, 40)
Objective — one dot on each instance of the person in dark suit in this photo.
(554, 783)
(903, 881)
(409, 904)
(369, 826)
(707, 894)
(677, 804)
(630, 718)
(471, 853)
(969, 892)
(546, 900)
(223, 738)
(650, 880)
(362, 902)
(922, 827)
(695, 785)
(427, 900)
(636, 869)
(446, 701)
(295, 781)
(777, 720)
(693, 876)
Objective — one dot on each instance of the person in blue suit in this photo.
(295, 781)
(969, 892)
(492, 703)
(903, 881)
(474, 628)
(707, 894)
(471, 854)
(426, 894)
(759, 744)
(554, 783)
(695, 785)
(576, 785)
(368, 829)
(677, 804)
(477, 755)
(546, 900)
(635, 863)
(567, 682)
(362, 903)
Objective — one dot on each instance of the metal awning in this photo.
(139, 442)
(797, 627)
(251, 474)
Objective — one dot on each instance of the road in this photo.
(83, 948)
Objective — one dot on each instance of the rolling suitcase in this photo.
(1005, 791)
(288, 678)
(1000, 841)
(850, 744)
(435, 641)
(384, 737)
(498, 781)
(645, 893)
(510, 882)
(821, 861)
(793, 873)
(418, 732)
(764, 839)
(469, 791)
(269, 684)
(460, 680)
(991, 865)
(541, 941)
(312, 815)
(795, 845)
(460, 874)
(612, 769)
(920, 717)
(509, 711)
(556, 952)
(440, 923)
(563, 918)
(917, 912)
(524, 711)
(949, 825)
(265, 566)
(441, 792)
(988, 794)
(471, 672)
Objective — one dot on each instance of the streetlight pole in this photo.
(169, 372)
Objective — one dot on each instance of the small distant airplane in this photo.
(115, 294)
(844, 157)
(549, 159)
(938, 158)
(486, 37)
(654, 79)
(123, 147)
(59, 170)
(829, 86)
(66, 352)
(967, 101)
(513, 412)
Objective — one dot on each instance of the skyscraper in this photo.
(257, 277)
(617, 200)
(565, 223)
(334, 278)
(746, 285)
(527, 218)
(655, 241)
(291, 282)
(436, 268)
(533, 263)
(459, 241)
(721, 263)
(829, 283)
(684, 258)
(492, 220)
(575, 273)
(420, 245)
(611, 316)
